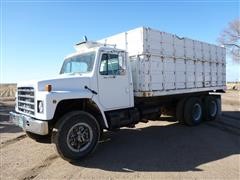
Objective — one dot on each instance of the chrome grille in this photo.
(26, 100)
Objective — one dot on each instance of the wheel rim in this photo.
(197, 112)
(79, 137)
(213, 108)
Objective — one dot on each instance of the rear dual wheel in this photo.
(180, 111)
(193, 110)
(212, 107)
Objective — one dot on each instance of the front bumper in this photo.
(29, 124)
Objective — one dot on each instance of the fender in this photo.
(55, 97)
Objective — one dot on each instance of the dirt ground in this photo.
(156, 150)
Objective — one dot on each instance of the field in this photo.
(233, 86)
(161, 149)
(7, 91)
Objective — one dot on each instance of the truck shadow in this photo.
(162, 148)
(232, 114)
(9, 128)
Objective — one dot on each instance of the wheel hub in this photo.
(79, 137)
(213, 108)
(197, 112)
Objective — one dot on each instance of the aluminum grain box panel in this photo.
(189, 48)
(167, 45)
(198, 52)
(220, 55)
(206, 52)
(165, 64)
(179, 49)
(190, 73)
(213, 74)
(169, 73)
(213, 53)
(153, 41)
(219, 74)
(199, 73)
(207, 74)
(156, 73)
(180, 74)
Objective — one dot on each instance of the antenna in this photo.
(85, 38)
(84, 41)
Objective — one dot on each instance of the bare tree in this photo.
(230, 38)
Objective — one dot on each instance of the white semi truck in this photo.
(118, 82)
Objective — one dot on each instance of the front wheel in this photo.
(76, 135)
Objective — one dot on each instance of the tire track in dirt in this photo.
(232, 117)
(12, 141)
(35, 171)
(225, 128)
(227, 123)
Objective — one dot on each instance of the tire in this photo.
(76, 135)
(193, 111)
(180, 111)
(39, 138)
(212, 108)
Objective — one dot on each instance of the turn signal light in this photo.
(48, 88)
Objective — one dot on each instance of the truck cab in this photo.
(94, 80)
(109, 81)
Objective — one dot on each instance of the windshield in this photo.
(82, 63)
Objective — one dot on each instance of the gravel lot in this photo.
(157, 150)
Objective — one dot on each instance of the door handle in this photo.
(107, 77)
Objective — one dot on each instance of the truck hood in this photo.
(59, 83)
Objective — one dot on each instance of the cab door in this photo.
(113, 81)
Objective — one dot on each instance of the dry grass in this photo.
(233, 86)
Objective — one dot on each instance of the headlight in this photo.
(40, 106)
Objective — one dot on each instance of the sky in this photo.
(37, 35)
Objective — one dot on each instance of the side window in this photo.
(112, 64)
(122, 64)
(103, 65)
